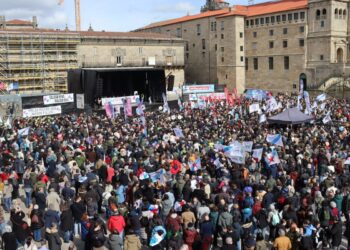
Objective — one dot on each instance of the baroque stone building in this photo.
(273, 45)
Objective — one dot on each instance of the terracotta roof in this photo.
(249, 11)
(129, 35)
(18, 22)
(24, 31)
(187, 18)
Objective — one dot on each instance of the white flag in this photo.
(327, 118)
(23, 131)
(275, 139)
(257, 153)
(321, 98)
(254, 107)
(247, 146)
(262, 118)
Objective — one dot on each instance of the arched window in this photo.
(340, 12)
(344, 14)
(336, 13)
(318, 13)
(324, 12)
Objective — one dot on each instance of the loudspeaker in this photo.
(99, 87)
(171, 81)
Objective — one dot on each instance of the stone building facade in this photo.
(273, 45)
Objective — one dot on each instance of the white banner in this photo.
(34, 112)
(206, 96)
(119, 100)
(80, 101)
(205, 88)
(55, 99)
(254, 107)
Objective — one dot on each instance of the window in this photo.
(226, 76)
(254, 45)
(285, 31)
(336, 13)
(270, 63)
(257, 21)
(187, 46)
(262, 21)
(140, 50)
(246, 64)
(222, 36)
(256, 63)
(302, 15)
(324, 12)
(240, 34)
(267, 20)
(271, 43)
(216, 47)
(203, 43)
(169, 60)
(321, 57)
(194, 45)
(286, 62)
(119, 60)
(290, 17)
(284, 17)
(318, 14)
(273, 19)
(278, 19)
(251, 22)
(222, 59)
(340, 12)
(301, 29)
(212, 26)
(187, 56)
(285, 43)
(222, 49)
(242, 58)
(296, 16)
(301, 42)
(198, 29)
(241, 48)
(344, 14)
(294, 86)
(178, 32)
(255, 34)
(322, 23)
(222, 25)
(271, 32)
(247, 23)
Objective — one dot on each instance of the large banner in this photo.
(80, 101)
(193, 89)
(34, 112)
(119, 100)
(206, 96)
(55, 99)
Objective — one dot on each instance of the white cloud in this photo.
(48, 12)
(181, 7)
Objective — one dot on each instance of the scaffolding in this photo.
(38, 62)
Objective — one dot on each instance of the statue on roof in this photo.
(214, 5)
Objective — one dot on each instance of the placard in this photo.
(34, 112)
(80, 101)
(206, 96)
(55, 99)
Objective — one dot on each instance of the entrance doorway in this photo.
(340, 55)
(302, 82)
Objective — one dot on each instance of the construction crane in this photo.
(77, 13)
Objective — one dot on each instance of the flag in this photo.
(327, 118)
(254, 107)
(23, 131)
(217, 163)
(181, 107)
(307, 101)
(299, 102)
(8, 122)
(271, 104)
(125, 112)
(257, 153)
(262, 118)
(157, 175)
(139, 109)
(234, 150)
(272, 158)
(144, 176)
(321, 98)
(178, 132)
(194, 163)
(323, 106)
(247, 146)
(109, 110)
(165, 104)
(275, 139)
(128, 107)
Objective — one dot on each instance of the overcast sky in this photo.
(109, 15)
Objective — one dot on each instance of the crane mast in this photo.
(77, 13)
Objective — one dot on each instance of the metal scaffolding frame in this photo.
(39, 62)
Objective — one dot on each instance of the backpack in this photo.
(275, 220)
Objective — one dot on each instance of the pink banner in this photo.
(128, 107)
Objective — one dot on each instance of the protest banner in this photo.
(80, 101)
(35, 112)
(56, 99)
(119, 100)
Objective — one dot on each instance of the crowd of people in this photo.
(110, 185)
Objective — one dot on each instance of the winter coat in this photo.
(19, 226)
(98, 238)
(191, 236)
(50, 217)
(67, 220)
(78, 209)
(53, 240)
(225, 220)
(54, 200)
(336, 233)
(114, 242)
(116, 222)
(206, 229)
(36, 214)
(8, 240)
(40, 200)
(132, 242)
(166, 207)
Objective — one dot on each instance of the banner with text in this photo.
(193, 89)
(80, 101)
(119, 100)
(55, 99)
(34, 112)
(206, 96)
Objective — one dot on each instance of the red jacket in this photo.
(116, 222)
(190, 236)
